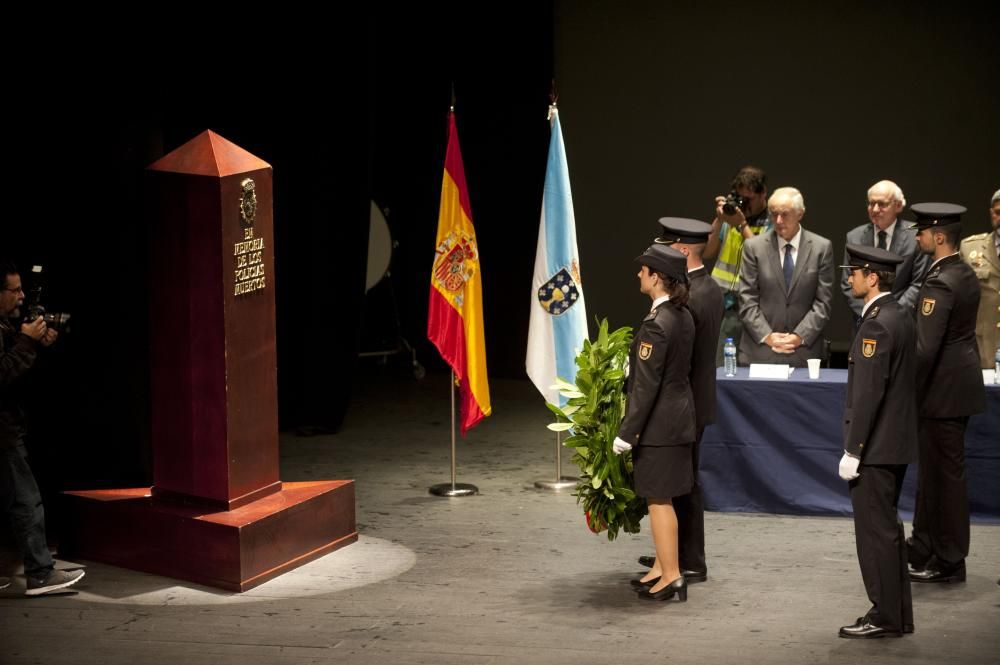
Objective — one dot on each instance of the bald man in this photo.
(885, 230)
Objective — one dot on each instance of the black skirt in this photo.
(662, 472)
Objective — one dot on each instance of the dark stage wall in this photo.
(659, 105)
(663, 102)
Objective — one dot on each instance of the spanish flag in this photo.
(455, 315)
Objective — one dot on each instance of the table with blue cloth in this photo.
(776, 445)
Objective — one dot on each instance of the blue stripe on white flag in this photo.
(570, 328)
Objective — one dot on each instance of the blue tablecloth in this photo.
(776, 445)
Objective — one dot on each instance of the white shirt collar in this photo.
(864, 310)
(931, 266)
(794, 242)
(889, 230)
(659, 301)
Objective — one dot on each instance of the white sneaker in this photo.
(55, 580)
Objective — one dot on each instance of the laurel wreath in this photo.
(592, 414)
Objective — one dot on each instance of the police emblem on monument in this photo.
(559, 293)
(248, 202)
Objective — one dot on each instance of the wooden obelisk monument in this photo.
(217, 513)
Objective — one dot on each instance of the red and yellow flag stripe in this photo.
(455, 314)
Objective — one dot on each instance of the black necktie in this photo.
(881, 240)
(787, 266)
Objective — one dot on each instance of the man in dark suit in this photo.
(949, 390)
(880, 439)
(887, 231)
(689, 237)
(786, 287)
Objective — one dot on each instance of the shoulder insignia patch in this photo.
(645, 350)
(868, 347)
(927, 306)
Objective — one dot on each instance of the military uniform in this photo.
(950, 388)
(880, 429)
(659, 412)
(980, 252)
(706, 306)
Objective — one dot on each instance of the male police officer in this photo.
(689, 237)
(949, 390)
(880, 432)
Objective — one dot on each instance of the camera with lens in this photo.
(33, 307)
(733, 202)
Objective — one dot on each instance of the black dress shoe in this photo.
(938, 573)
(639, 585)
(864, 629)
(647, 561)
(907, 627)
(678, 587)
(695, 576)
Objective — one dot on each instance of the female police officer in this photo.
(659, 423)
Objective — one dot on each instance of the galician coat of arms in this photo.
(559, 293)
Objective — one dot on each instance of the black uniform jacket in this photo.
(949, 380)
(706, 308)
(660, 406)
(880, 416)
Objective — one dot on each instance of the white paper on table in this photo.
(769, 371)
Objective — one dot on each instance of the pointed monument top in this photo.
(209, 154)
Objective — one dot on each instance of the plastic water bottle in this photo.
(729, 351)
(996, 366)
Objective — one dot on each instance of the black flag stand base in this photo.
(561, 482)
(453, 488)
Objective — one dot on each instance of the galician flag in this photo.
(455, 314)
(558, 323)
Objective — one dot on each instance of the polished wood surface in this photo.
(214, 360)
(234, 550)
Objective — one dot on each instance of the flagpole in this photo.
(561, 482)
(453, 489)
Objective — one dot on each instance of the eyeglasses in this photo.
(880, 204)
(17, 290)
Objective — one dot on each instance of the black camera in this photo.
(33, 307)
(733, 202)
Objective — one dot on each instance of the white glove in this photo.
(621, 446)
(849, 467)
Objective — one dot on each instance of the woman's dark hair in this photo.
(678, 291)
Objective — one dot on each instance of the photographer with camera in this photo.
(738, 217)
(19, 495)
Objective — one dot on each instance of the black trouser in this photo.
(941, 518)
(21, 501)
(881, 543)
(690, 510)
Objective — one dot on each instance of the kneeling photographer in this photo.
(20, 343)
(739, 216)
